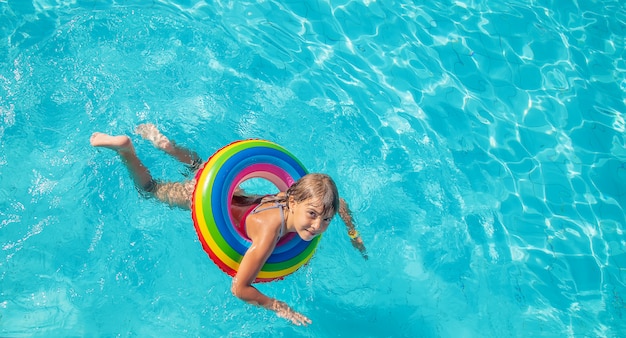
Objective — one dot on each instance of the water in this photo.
(480, 144)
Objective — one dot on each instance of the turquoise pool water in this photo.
(480, 144)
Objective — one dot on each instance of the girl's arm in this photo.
(355, 239)
(262, 246)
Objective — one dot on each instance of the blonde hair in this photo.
(311, 186)
(317, 187)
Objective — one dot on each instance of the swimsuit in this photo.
(150, 186)
(282, 215)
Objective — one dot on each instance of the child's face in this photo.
(309, 221)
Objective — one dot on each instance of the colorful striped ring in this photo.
(226, 242)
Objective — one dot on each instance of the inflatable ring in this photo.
(226, 242)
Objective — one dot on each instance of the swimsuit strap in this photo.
(282, 215)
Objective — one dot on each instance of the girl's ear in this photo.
(291, 202)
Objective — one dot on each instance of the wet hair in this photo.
(318, 187)
(241, 199)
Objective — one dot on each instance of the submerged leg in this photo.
(176, 194)
(150, 132)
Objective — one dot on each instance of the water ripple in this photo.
(481, 144)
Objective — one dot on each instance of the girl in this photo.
(306, 208)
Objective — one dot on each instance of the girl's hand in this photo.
(357, 242)
(284, 311)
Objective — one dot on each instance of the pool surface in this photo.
(480, 144)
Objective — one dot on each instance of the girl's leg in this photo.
(151, 133)
(176, 194)
(173, 193)
(124, 147)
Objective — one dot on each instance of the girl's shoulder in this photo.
(264, 222)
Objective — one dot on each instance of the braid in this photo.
(279, 198)
(311, 186)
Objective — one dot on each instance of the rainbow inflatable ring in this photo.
(226, 242)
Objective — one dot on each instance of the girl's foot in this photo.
(118, 143)
(149, 131)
